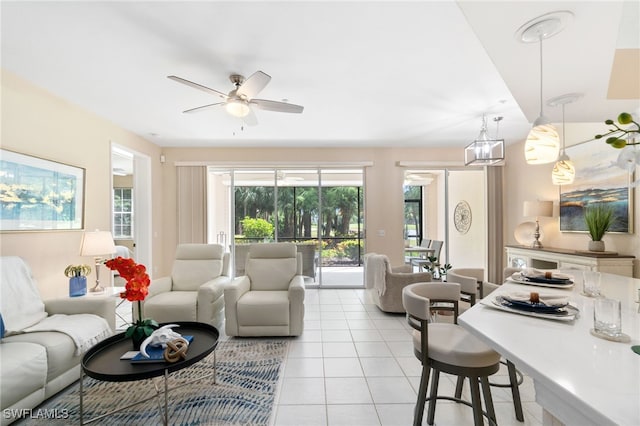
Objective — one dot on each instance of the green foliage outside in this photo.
(256, 228)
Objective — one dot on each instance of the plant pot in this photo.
(77, 286)
(596, 245)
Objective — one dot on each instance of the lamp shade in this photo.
(538, 209)
(542, 145)
(563, 171)
(97, 243)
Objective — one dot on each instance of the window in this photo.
(413, 214)
(122, 213)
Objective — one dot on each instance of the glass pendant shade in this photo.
(563, 171)
(543, 143)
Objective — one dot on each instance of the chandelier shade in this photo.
(484, 150)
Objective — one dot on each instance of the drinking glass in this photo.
(607, 317)
(591, 283)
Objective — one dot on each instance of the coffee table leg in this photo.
(166, 397)
(81, 395)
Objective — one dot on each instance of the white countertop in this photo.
(579, 379)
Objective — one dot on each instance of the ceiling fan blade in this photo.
(203, 107)
(254, 84)
(250, 119)
(197, 86)
(276, 106)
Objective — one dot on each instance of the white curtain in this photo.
(192, 204)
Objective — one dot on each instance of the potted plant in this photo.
(598, 218)
(77, 275)
(438, 272)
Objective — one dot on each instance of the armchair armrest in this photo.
(213, 289)
(232, 293)
(104, 307)
(403, 268)
(160, 285)
(296, 289)
(405, 278)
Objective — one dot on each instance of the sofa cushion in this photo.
(264, 308)
(172, 306)
(20, 301)
(59, 348)
(23, 370)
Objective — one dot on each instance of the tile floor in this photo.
(354, 365)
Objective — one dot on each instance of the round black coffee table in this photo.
(102, 362)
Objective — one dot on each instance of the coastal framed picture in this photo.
(598, 180)
(39, 195)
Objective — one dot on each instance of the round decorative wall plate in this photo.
(462, 217)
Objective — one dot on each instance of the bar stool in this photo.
(447, 348)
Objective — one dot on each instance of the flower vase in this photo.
(77, 286)
(137, 339)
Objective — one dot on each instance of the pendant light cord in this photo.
(563, 126)
(541, 79)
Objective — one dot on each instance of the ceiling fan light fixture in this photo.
(237, 108)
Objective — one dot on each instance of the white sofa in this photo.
(36, 364)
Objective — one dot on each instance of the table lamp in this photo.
(97, 244)
(538, 209)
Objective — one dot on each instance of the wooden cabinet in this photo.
(555, 258)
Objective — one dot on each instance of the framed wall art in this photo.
(598, 180)
(39, 195)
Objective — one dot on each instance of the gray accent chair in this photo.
(385, 283)
(195, 289)
(269, 299)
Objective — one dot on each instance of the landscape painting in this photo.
(38, 194)
(598, 180)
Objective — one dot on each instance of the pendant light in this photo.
(563, 171)
(485, 150)
(543, 143)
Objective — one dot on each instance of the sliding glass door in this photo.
(320, 210)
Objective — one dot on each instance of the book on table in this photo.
(156, 353)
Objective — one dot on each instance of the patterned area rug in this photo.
(247, 380)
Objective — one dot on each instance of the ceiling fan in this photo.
(238, 102)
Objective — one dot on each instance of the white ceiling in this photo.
(368, 73)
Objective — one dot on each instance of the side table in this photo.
(102, 362)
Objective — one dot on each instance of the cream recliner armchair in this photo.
(269, 299)
(195, 289)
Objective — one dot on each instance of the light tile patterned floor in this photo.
(354, 365)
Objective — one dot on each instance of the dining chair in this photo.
(436, 249)
(448, 348)
(470, 279)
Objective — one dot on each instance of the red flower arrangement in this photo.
(136, 290)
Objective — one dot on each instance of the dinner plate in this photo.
(541, 282)
(566, 313)
(529, 306)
